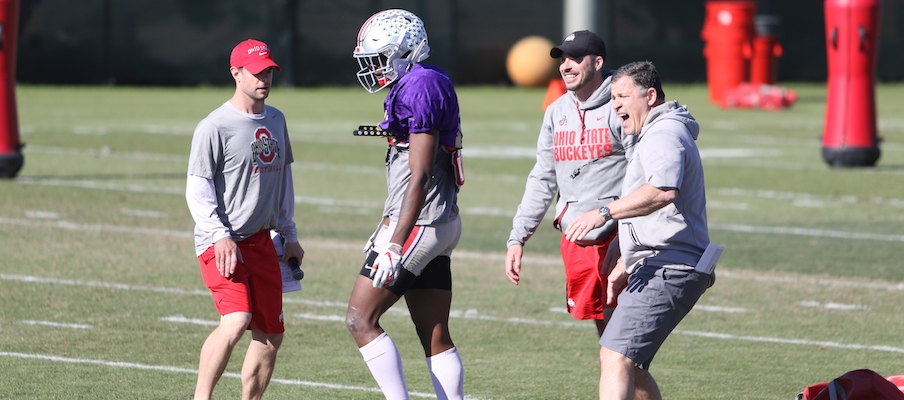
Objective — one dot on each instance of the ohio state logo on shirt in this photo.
(265, 148)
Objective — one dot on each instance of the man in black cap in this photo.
(577, 47)
(580, 156)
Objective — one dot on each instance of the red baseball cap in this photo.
(252, 55)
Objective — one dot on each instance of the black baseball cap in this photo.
(579, 44)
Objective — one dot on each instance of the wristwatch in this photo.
(604, 212)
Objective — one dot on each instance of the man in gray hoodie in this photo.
(580, 155)
(662, 232)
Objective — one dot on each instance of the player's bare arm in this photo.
(422, 148)
(643, 201)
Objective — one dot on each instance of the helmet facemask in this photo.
(376, 71)
(389, 43)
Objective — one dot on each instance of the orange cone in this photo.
(555, 90)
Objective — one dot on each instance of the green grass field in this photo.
(100, 297)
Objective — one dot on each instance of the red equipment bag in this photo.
(861, 384)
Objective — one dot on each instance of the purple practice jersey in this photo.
(423, 100)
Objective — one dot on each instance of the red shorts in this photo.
(585, 288)
(255, 287)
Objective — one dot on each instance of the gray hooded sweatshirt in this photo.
(580, 155)
(666, 157)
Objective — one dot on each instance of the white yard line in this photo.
(800, 342)
(476, 152)
(796, 197)
(809, 281)
(832, 306)
(57, 324)
(739, 228)
(166, 368)
(474, 314)
(584, 324)
(790, 230)
(74, 226)
(799, 199)
(143, 213)
(181, 319)
(802, 199)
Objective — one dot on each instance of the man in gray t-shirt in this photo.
(239, 187)
(662, 232)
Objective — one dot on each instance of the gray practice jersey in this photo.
(245, 155)
(666, 156)
(581, 155)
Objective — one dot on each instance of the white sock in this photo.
(448, 375)
(385, 364)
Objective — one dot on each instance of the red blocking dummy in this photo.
(11, 159)
(852, 30)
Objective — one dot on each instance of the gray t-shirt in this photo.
(245, 155)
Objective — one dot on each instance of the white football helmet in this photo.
(389, 42)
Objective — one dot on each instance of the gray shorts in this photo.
(655, 300)
(425, 243)
(425, 259)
